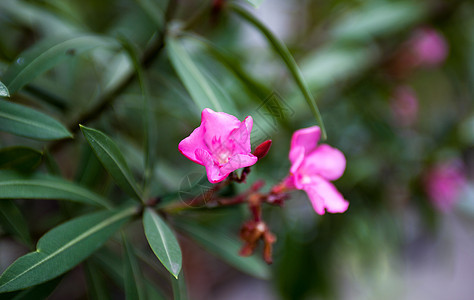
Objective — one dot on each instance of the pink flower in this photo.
(443, 184)
(221, 144)
(312, 169)
(429, 47)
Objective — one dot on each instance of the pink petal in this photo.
(238, 161)
(217, 127)
(325, 161)
(324, 195)
(307, 138)
(240, 136)
(194, 141)
(298, 157)
(214, 174)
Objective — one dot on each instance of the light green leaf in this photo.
(62, 248)
(162, 241)
(3, 90)
(255, 3)
(133, 276)
(200, 90)
(381, 19)
(46, 54)
(24, 121)
(15, 185)
(20, 158)
(226, 248)
(113, 161)
(287, 58)
(14, 222)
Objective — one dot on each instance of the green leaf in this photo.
(112, 159)
(226, 248)
(62, 248)
(180, 290)
(24, 121)
(46, 54)
(20, 158)
(38, 292)
(14, 222)
(3, 90)
(287, 58)
(96, 285)
(162, 241)
(14, 185)
(200, 90)
(255, 3)
(133, 276)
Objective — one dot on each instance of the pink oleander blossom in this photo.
(313, 166)
(221, 144)
(443, 184)
(429, 47)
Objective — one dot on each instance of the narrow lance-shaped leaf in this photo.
(63, 248)
(133, 276)
(24, 121)
(162, 241)
(14, 185)
(287, 58)
(96, 285)
(20, 158)
(199, 89)
(226, 248)
(113, 161)
(255, 3)
(4, 90)
(38, 292)
(46, 54)
(14, 222)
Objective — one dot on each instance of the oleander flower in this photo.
(443, 183)
(429, 47)
(221, 144)
(313, 166)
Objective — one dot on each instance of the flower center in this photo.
(223, 156)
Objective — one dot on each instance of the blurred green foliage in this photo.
(141, 72)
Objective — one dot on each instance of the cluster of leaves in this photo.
(142, 71)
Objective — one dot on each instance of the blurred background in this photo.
(394, 81)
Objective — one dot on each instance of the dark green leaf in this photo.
(287, 58)
(24, 121)
(226, 248)
(3, 90)
(113, 161)
(20, 158)
(14, 222)
(63, 248)
(38, 292)
(162, 241)
(198, 87)
(46, 54)
(96, 285)
(133, 276)
(41, 186)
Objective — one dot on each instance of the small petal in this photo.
(217, 127)
(325, 161)
(324, 195)
(194, 141)
(307, 138)
(212, 169)
(241, 136)
(238, 161)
